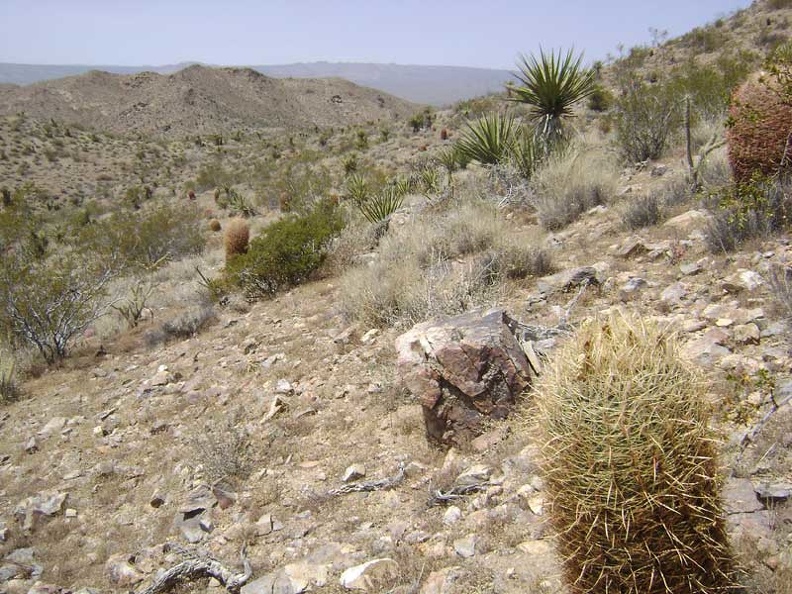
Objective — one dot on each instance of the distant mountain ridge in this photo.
(201, 100)
(433, 85)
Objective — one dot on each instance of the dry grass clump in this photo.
(9, 387)
(630, 465)
(237, 237)
(643, 211)
(569, 184)
(441, 265)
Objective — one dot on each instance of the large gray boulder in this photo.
(464, 370)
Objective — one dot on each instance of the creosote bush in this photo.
(629, 465)
(237, 237)
(287, 252)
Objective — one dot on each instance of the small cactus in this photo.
(237, 236)
(760, 125)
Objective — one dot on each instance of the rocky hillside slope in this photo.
(200, 100)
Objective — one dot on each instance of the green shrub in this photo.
(629, 465)
(48, 302)
(646, 116)
(744, 211)
(287, 252)
(146, 238)
(600, 99)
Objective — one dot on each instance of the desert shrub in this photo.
(779, 4)
(744, 211)
(629, 465)
(237, 237)
(760, 121)
(780, 281)
(568, 184)
(600, 99)
(287, 252)
(9, 387)
(48, 302)
(146, 238)
(229, 198)
(643, 211)
(132, 306)
(189, 323)
(224, 451)
(445, 264)
(646, 116)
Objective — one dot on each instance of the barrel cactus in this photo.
(630, 467)
(760, 124)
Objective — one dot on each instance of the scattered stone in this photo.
(54, 425)
(688, 220)
(284, 387)
(368, 576)
(224, 496)
(47, 503)
(490, 439)
(774, 493)
(354, 472)
(475, 475)
(31, 445)
(659, 170)
(466, 547)
(452, 515)
(264, 525)
(632, 247)
(691, 269)
(162, 378)
(742, 280)
(122, 572)
(369, 336)
(535, 548)
(443, 581)
(70, 512)
(746, 334)
(673, 294)
(157, 499)
(739, 497)
(464, 370)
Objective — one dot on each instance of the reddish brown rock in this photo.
(464, 370)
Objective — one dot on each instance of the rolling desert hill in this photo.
(200, 100)
(433, 85)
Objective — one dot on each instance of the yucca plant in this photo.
(526, 154)
(488, 140)
(380, 206)
(629, 465)
(357, 188)
(550, 86)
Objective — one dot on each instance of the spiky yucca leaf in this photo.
(380, 206)
(629, 465)
(489, 139)
(550, 86)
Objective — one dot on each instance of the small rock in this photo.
(121, 572)
(31, 445)
(369, 336)
(535, 548)
(452, 515)
(673, 294)
(690, 269)
(746, 334)
(53, 426)
(264, 525)
(157, 499)
(773, 494)
(368, 576)
(476, 474)
(466, 547)
(659, 170)
(70, 512)
(631, 248)
(354, 472)
(283, 387)
(443, 581)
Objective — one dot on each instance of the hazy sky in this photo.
(448, 32)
